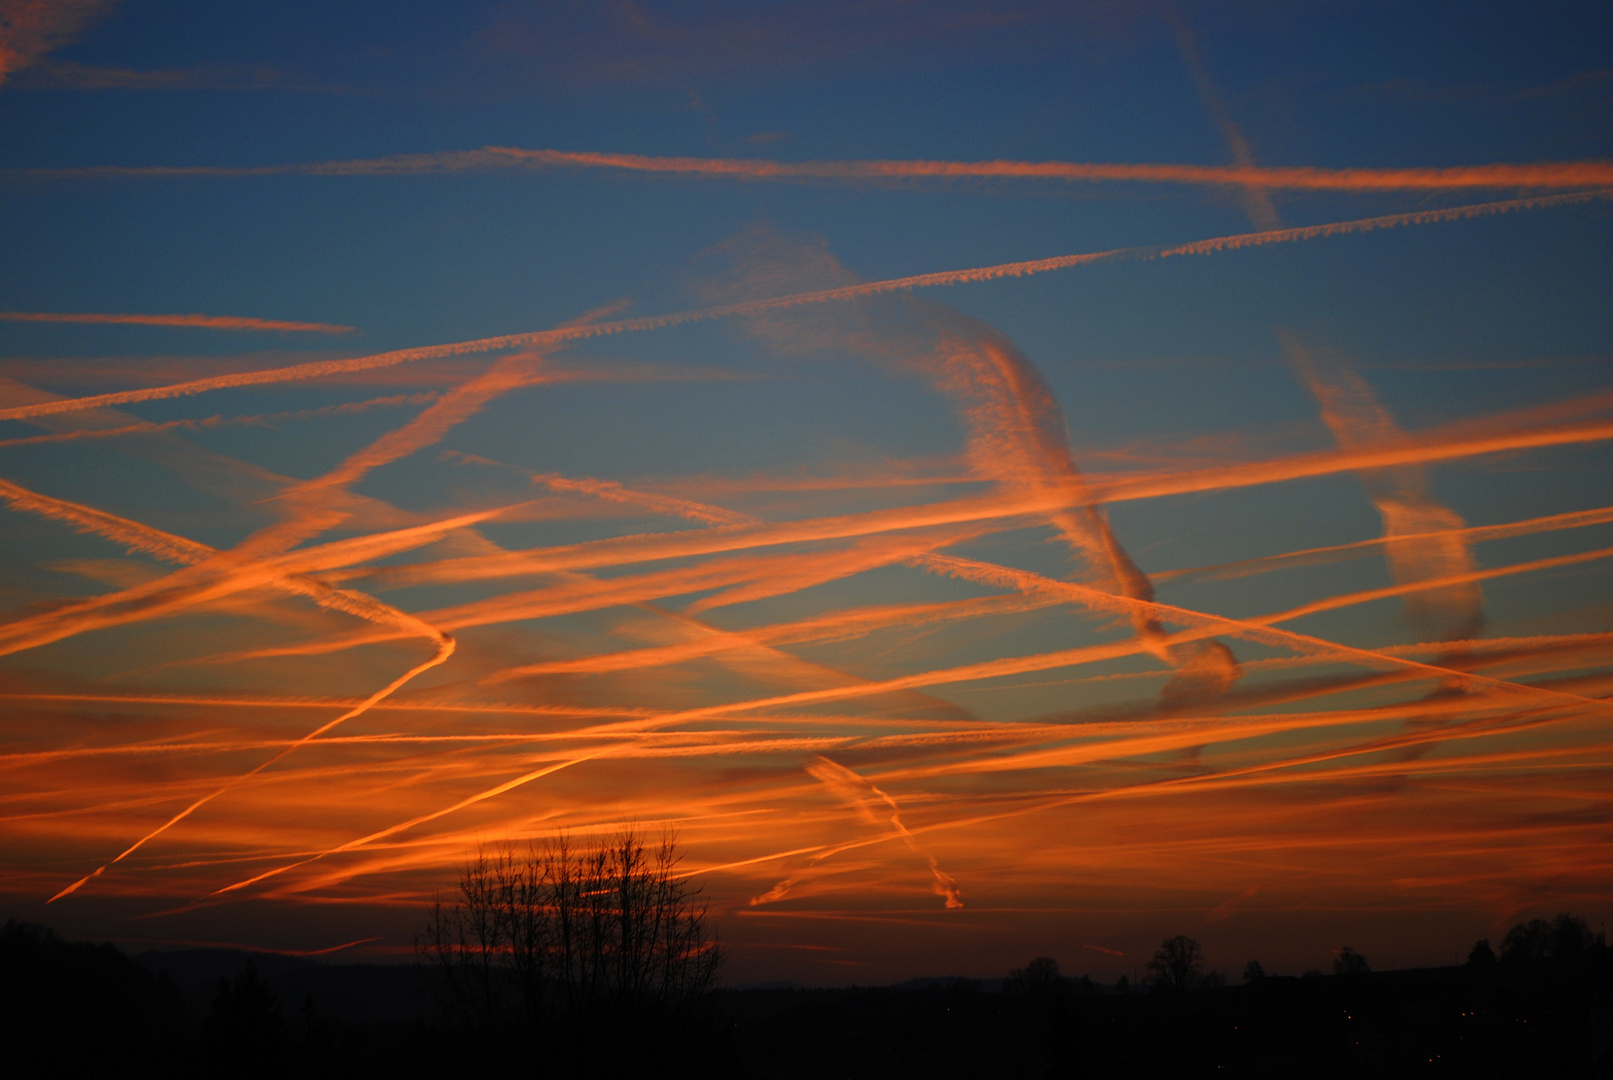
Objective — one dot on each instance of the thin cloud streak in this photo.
(1567, 174)
(556, 337)
(201, 322)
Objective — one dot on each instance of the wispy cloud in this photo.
(31, 28)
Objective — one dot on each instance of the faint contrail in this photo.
(1300, 178)
(1256, 199)
(549, 338)
(206, 322)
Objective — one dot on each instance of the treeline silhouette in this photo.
(1543, 1007)
(615, 974)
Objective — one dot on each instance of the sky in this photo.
(994, 479)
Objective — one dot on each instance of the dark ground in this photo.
(72, 1009)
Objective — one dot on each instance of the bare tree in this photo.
(1040, 976)
(1178, 964)
(1350, 962)
(565, 939)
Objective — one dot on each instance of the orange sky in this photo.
(810, 569)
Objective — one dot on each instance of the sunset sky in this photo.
(997, 479)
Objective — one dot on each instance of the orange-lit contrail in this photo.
(625, 550)
(205, 322)
(610, 491)
(137, 537)
(262, 420)
(1257, 629)
(1207, 625)
(1423, 538)
(195, 585)
(856, 790)
(1471, 534)
(1410, 451)
(837, 626)
(444, 651)
(1568, 174)
(629, 549)
(256, 561)
(551, 338)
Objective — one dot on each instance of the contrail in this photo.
(1412, 450)
(205, 322)
(611, 491)
(856, 789)
(1256, 629)
(1567, 174)
(1256, 199)
(444, 650)
(1423, 537)
(1206, 625)
(261, 420)
(1443, 444)
(839, 626)
(257, 560)
(550, 338)
(1471, 534)
(196, 585)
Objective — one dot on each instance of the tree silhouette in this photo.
(244, 1025)
(1350, 962)
(1253, 972)
(1563, 937)
(1481, 954)
(1178, 963)
(565, 940)
(1040, 976)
